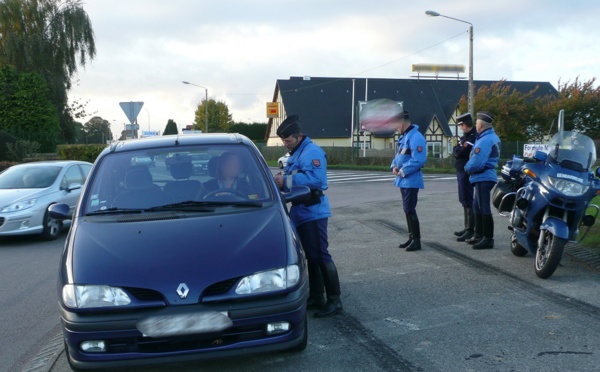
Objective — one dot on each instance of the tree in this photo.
(254, 131)
(26, 109)
(171, 128)
(50, 37)
(581, 102)
(219, 118)
(97, 130)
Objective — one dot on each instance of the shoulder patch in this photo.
(420, 148)
(316, 162)
(477, 150)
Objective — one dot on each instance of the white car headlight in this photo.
(567, 187)
(19, 206)
(269, 281)
(88, 296)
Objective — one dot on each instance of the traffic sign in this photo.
(131, 109)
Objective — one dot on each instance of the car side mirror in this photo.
(540, 156)
(297, 194)
(59, 211)
(598, 172)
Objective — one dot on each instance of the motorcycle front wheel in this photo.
(548, 254)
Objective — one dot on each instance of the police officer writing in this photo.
(307, 165)
(482, 169)
(461, 153)
(407, 164)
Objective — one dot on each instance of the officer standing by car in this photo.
(482, 169)
(406, 166)
(307, 166)
(461, 153)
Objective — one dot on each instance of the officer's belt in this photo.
(315, 198)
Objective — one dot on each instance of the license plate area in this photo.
(184, 324)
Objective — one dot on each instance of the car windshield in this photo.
(178, 178)
(29, 177)
(572, 150)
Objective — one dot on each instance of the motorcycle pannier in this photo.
(502, 188)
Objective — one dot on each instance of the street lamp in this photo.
(431, 13)
(205, 103)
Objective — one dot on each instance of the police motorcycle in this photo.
(547, 198)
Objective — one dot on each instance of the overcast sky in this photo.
(239, 48)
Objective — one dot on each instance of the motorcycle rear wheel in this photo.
(516, 248)
(548, 255)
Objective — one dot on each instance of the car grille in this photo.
(220, 287)
(143, 294)
(183, 343)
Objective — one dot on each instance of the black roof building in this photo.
(325, 103)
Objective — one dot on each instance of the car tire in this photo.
(280, 165)
(302, 345)
(52, 227)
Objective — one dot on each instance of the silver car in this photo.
(27, 190)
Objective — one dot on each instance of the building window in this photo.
(434, 149)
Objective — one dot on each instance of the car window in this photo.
(73, 175)
(218, 173)
(35, 177)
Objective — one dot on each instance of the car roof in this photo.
(179, 140)
(51, 163)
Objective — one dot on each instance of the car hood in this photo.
(154, 252)
(9, 196)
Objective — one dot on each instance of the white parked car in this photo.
(27, 190)
(282, 161)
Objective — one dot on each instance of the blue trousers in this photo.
(409, 200)
(313, 236)
(465, 189)
(482, 202)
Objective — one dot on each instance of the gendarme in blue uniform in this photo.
(307, 166)
(410, 158)
(484, 158)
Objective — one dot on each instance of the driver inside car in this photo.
(229, 177)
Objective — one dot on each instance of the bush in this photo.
(22, 149)
(80, 152)
(6, 139)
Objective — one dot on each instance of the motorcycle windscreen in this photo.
(572, 150)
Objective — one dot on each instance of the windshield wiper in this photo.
(115, 211)
(204, 205)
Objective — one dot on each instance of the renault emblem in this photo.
(183, 290)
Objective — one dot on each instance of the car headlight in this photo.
(269, 281)
(88, 296)
(19, 206)
(567, 187)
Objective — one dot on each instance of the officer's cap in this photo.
(485, 116)
(289, 126)
(465, 119)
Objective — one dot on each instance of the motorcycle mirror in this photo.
(561, 121)
(598, 172)
(540, 156)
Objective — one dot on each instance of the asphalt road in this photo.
(444, 308)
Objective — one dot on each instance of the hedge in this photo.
(80, 152)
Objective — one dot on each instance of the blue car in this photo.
(169, 265)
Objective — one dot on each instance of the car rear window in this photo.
(151, 178)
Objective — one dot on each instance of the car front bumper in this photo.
(127, 346)
(22, 223)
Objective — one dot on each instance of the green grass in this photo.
(592, 240)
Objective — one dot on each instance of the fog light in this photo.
(94, 346)
(278, 327)
(24, 225)
(588, 220)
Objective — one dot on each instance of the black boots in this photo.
(461, 232)
(478, 230)
(415, 228)
(487, 242)
(332, 287)
(469, 226)
(316, 299)
(410, 235)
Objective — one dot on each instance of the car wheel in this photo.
(302, 345)
(52, 227)
(280, 165)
